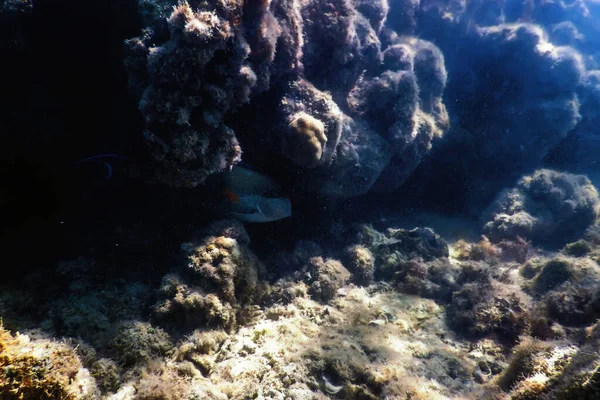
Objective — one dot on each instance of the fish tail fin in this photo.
(109, 171)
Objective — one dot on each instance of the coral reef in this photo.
(546, 207)
(391, 125)
(329, 78)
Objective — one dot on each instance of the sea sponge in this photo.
(41, 370)
(306, 140)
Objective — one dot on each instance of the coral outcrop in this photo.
(217, 282)
(42, 369)
(328, 81)
(547, 207)
(191, 80)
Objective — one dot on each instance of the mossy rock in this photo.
(554, 273)
(579, 248)
(40, 370)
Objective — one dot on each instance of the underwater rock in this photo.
(229, 228)
(107, 374)
(361, 264)
(548, 207)
(568, 289)
(581, 147)
(360, 158)
(486, 304)
(327, 276)
(482, 251)
(339, 44)
(194, 72)
(162, 384)
(557, 370)
(191, 78)
(217, 283)
(402, 16)
(435, 279)
(136, 342)
(404, 244)
(88, 309)
(303, 252)
(403, 102)
(188, 306)
(42, 369)
(579, 248)
(507, 119)
(529, 370)
(415, 260)
(375, 11)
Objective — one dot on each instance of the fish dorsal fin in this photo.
(243, 181)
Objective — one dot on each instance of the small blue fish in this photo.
(98, 159)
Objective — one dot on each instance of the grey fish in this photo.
(253, 197)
